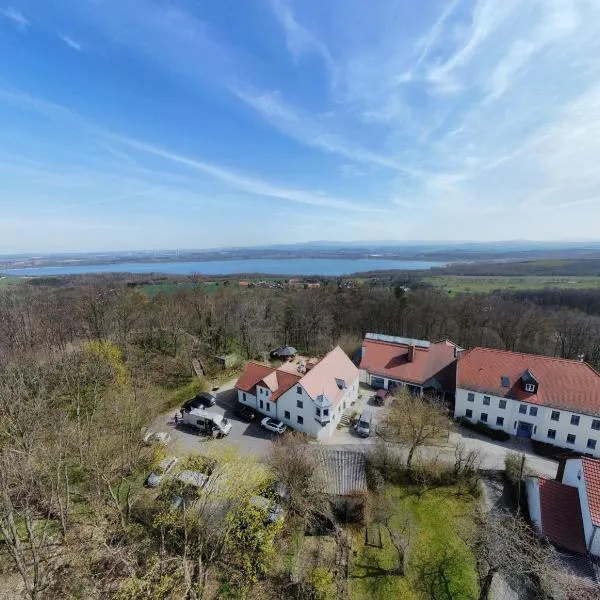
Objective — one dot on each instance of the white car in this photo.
(161, 470)
(157, 437)
(273, 425)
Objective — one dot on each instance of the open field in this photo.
(436, 519)
(484, 284)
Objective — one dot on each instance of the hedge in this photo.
(480, 427)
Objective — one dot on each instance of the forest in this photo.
(88, 363)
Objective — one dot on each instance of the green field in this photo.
(483, 284)
(437, 555)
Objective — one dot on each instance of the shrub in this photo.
(479, 427)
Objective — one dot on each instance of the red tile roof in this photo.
(567, 384)
(561, 515)
(320, 379)
(277, 380)
(389, 359)
(591, 472)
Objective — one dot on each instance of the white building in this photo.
(550, 400)
(568, 512)
(306, 396)
(418, 365)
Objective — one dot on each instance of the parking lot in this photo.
(250, 437)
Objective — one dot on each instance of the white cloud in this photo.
(72, 43)
(18, 18)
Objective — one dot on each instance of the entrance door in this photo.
(525, 429)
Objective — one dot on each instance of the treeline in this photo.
(158, 334)
(545, 267)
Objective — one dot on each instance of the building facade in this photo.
(308, 398)
(388, 362)
(550, 400)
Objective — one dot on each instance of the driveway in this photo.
(249, 437)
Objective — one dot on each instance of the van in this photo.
(206, 422)
(363, 427)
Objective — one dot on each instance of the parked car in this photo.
(244, 412)
(381, 396)
(162, 469)
(202, 400)
(273, 425)
(363, 427)
(157, 437)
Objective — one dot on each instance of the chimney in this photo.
(411, 353)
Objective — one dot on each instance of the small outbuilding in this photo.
(284, 352)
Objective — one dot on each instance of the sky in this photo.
(148, 124)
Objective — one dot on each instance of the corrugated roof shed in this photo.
(341, 472)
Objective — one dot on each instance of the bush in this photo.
(479, 427)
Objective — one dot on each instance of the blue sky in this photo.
(183, 124)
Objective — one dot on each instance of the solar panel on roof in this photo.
(392, 339)
(505, 382)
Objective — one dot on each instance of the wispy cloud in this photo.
(17, 17)
(69, 41)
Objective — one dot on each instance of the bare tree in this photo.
(504, 543)
(416, 420)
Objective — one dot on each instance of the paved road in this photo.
(252, 439)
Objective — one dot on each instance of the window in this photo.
(502, 404)
(505, 382)
(499, 421)
(574, 419)
(486, 400)
(471, 397)
(468, 413)
(244, 396)
(523, 409)
(268, 407)
(555, 415)
(262, 404)
(552, 434)
(325, 412)
(533, 411)
(318, 412)
(484, 417)
(298, 389)
(530, 387)
(571, 439)
(286, 414)
(591, 444)
(299, 404)
(300, 420)
(596, 424)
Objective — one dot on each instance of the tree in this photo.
(505, 544)
(416, 420)
(295, 467)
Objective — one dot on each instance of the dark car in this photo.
(202, 400)
(245, 412)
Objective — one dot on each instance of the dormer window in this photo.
(528, 382)
(530, 387)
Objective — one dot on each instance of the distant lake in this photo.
(276, 266)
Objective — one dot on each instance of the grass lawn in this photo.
(437, 516)
(8, 281)
(480, 283)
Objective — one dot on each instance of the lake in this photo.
(275, 266)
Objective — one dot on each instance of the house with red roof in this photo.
(388, 361)
(567, 512)
(547, 399)
(307, 395)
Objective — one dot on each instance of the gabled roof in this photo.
(341, 472)
(390, 359)
(276, 380)
(591, 472)
(561, 515)
(322, 378)
(567, 384)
